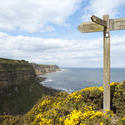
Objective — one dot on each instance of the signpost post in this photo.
(104, 25)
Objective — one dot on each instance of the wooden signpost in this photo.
(104, 25)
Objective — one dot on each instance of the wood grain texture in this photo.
(106, 71)
(99, 21)
(114, 24)
(117, 24)
(90, 27)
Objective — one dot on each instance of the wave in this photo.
(62, 69)
(66, 90)
(46, 81)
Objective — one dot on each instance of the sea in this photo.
(74, 79)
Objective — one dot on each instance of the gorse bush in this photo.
(82, 107)
(119, 99)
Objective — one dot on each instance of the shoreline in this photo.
(42, 79)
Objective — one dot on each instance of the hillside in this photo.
(19, 87)
(82, 107)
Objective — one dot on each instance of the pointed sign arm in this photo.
(99, 21)
(90, 27)
(117, 24)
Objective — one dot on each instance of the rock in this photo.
(41, 79)
(13, 72)
(41, 69)
(19, 87)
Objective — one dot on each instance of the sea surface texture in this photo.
(73, 79)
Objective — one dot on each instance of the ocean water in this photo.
(73, 79)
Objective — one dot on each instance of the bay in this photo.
(73, 79)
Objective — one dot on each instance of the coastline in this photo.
(41, 79)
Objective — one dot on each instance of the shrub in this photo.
(119, 99)
(82, 107)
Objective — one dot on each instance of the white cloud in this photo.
(35, 15)
(85, 53)
(102, 7)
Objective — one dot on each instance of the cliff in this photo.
(41, 69)
(13, 72)
(19, 87)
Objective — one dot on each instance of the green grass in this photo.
(10, 61)
(18, 99)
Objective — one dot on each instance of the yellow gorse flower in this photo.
(77, 117)
(88, 108)
(101, 89)
(123, 118)
(73, 118)
(97, 114)
(92, 89)
(101, 123)
(114, 83)
(45, 102)
(77, 108)
(76, 96)
(40, 120)
(45, 121)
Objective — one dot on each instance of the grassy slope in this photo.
(18, 99)
(78, 108)
(11, 61)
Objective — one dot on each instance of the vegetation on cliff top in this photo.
(82, 107)
(14, 65)
(11, 61)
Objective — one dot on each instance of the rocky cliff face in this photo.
(19, 87)
(43, 69)
(13, 72)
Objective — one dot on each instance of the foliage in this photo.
(10, 61)
(20, 98)
(119, 99)
(82, 107)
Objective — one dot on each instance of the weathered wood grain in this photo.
(114, 24)
(117, 24)
(90, 27)
(99, 21)
(106, 75)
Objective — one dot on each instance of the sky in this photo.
(45, 32)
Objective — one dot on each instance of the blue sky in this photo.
(45, 31)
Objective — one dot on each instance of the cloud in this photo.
(102, 7)
(84, 53)
(35, 15)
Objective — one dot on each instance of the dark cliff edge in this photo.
(13, 72)
(19, 87)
